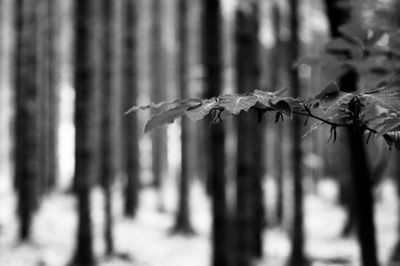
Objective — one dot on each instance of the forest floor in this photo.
(146, 241)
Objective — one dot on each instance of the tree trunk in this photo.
(250, 163)
(108, 167)
(215, 135)
(297, 255)
(158, 91)
(339, 13)
(26, 116)
(47, 78)
(275, 75)
(130, 148)
(182, 222)
(362, 180)
(395, 256)
(54, 92)
(43, 104)
(85, 106)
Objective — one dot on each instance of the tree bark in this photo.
(275, 68)
(297, 257)
(182, 222)
(362, 180)
(26, 116)
(130, 123)
(158, 91)
(109, 138)
(48, 105)
(339, 13)
(250, 163)
(215, 135)
(54, 93)
(395, 256)
(85, 106)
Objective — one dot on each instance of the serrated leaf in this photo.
(168, 116)
(331, 98)
(341, 102)
(263, 97)
(165, 105)
(199, 112)
(136, 108)
(284, 105)
(388, 98)
(234, 104)
(385, 123)
(331, 91)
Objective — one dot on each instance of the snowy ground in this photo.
(145, 241)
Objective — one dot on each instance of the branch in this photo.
(334, 125)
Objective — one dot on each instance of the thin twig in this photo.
(308, 113)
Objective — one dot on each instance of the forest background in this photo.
(81, 184)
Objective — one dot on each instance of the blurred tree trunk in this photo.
(182, 220)
(109, 106)
(297, 254)
(85, 124)
(47, 78)
(395, 256)
(215, 135)
(250, 163)
(339, 13)
(54, 92)
(158, 94)
(26, 115)
(362, 182)
(275, 75)
(130, 147)
(43, 104)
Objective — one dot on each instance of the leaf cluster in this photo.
(375, 108)
(376, 111)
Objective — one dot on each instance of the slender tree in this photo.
(297, 255)
(47, 78)
(275, 68)
(339, 13)
(249, 206)
(215, 135)
(26, 115)
(130, 123)
(108, 152)
(43, 104)
(53, 64)
(182, 222)
(395, 256)
(158, 94)
(85, 104)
